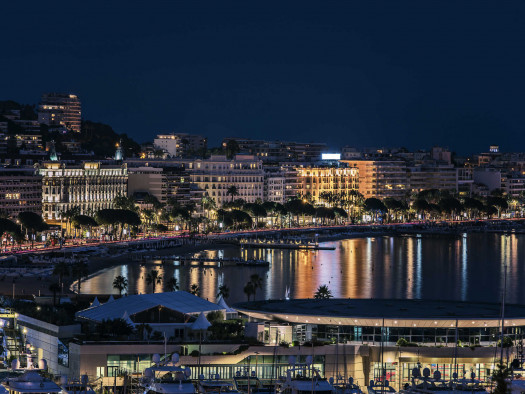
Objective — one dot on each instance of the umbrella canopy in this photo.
(95, 302)
(201, 324)
(224, 305)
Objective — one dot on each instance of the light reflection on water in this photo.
(466, 267)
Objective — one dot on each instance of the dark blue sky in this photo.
(367, 73)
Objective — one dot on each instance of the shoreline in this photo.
(27, 286)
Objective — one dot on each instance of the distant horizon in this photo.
(331, 149)
(412, 74)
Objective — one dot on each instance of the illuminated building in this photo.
(381, 178)
(60, 112)
(178, 145)
(215, 175)
(277, 151)
(20, 191)
(92, 186)
(338, 181)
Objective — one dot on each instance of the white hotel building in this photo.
(216, 174)
(91, 186)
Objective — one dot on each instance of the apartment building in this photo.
(91, 186)
(20, 191)
(432, 175)
(274, 184)
(316, 181)
(215, 175)
(60, 112)
(278, 151)
(381, 178)
(146, 180)
(181, 144)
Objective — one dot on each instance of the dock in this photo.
(293, 246)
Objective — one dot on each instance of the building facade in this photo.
(217, 174)
(181, 144)
(381, 178)
(20, 191)
(60, 111)
(91, 186)
(320, 181)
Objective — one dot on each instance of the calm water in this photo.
(468, 267)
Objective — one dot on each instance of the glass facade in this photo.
(373, 335)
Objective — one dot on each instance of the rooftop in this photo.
(179, 301)
(390, 312)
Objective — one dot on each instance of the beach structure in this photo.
(394, 336)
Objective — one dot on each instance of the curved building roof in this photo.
(390, 312)
(179, 301)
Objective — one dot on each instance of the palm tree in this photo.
(61, 269)
(120, 283)
(257, 282)
(323, 293)
(233, 191)
(172, 284)
(249, 290)
(153, 278)
(194, 289)
(78, 271)
(54, 288)
(224, 291)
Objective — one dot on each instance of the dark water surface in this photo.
(468, 267)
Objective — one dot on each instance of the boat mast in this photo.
(503, 312)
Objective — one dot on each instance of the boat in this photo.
(342, 387)
(425, 384)
(380, 387)
(250, 383)
(167, 379)
(214, 384)
(75, 386)
(304, 378)
(30, 382)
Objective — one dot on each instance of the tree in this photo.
(498, 202)
(232, 148)
(172, 284)
(232, 191)
(375, 206)
(153, 278)
(249, 290)
(114, 328)
(257, 283)
(79, 270)
(54, 288)
(33, 223)
(61, 269)
(500, 376)
(194, 289)
(322, 293)
(224, 291)
(120, 283)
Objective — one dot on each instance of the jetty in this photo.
(285, 245)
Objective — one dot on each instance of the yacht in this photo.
(250, 383)
(302, 379)
(30, 382)
(427, 385)
(343, 387)
(76, 387)
(215, 385)
(167, 379)
(380, 387)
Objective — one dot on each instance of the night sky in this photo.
(367, 73)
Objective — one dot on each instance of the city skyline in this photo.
(407, 74)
